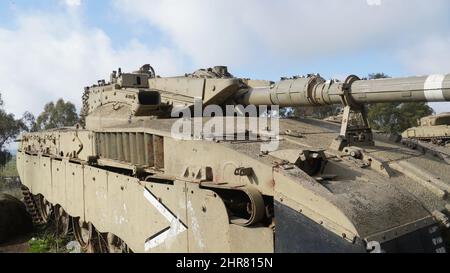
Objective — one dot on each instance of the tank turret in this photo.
(441, 119)
(130, 96)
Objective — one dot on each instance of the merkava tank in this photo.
(145, 174)
(335, 118)
(434, 129)
(431, 136)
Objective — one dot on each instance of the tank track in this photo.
(440, 141)
(31, 207)
(428, 147)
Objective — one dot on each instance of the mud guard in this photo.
(296, 233)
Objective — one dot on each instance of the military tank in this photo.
(334, 119)
(432, 136)
(434, 129)
(201, 163)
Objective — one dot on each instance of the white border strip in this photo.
(433, 88)
(176, 226)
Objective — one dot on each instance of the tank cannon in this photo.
(353, 94)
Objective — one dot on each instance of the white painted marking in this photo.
(433, 88)
(437, 241)
(441, 250)
(374, 247)
(176, 226)
(433, 229)
(195, 227)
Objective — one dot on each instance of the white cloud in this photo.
(47, 57)
(374, 2)
(431, 55)
(72, 3)
(242, 32)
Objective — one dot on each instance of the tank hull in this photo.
(438, 133)
(156, 193)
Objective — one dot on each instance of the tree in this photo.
(395, 117)
(29, 121)
(318, 112)
(9, 129)
(61, 114)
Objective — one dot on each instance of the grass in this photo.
(47, 241)
(39, 246)
(9, 170)
(47, 244)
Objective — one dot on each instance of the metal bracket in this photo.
(243, 172)
(352, 134)
(198, 173)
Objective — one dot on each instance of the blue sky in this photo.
(53, 48)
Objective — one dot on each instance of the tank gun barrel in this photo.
(315, 91)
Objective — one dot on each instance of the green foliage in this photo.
(39, 246)
(321, 112)
(47, 241)
(375, 76)
(316, 112)
(9, 129)
(61, 114)
(46, 244)
(396, 117)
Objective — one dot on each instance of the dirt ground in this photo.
(39, 241)
(18, 245)
(11, 185)
(15, 245)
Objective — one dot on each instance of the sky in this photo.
(51, 49)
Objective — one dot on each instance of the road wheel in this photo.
(44, 208)
(84, 234)
(62, 221)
